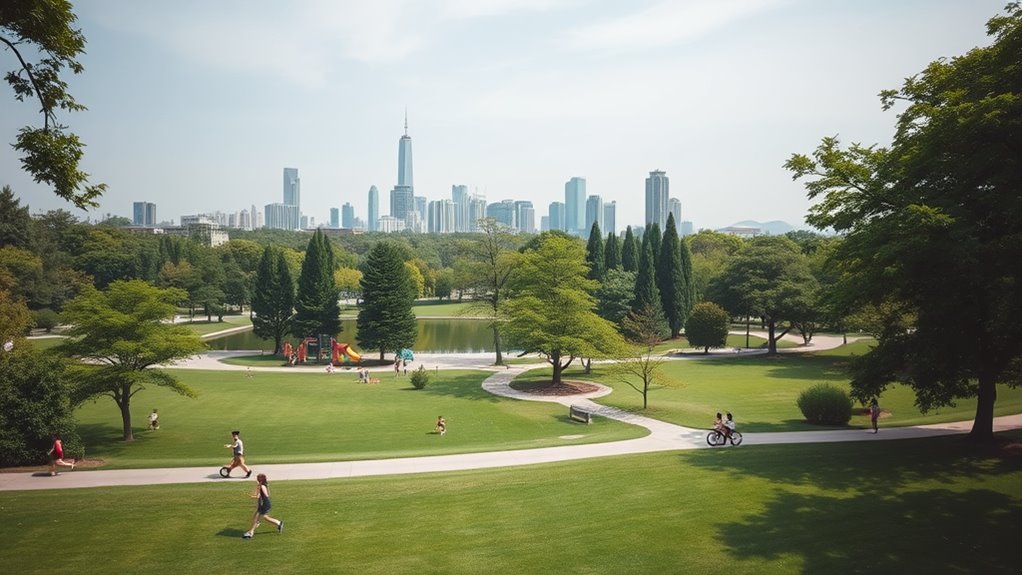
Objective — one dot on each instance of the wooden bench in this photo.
(579, 414)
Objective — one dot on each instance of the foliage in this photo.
(614, 296)
(316, 308)
(671, 280)
(45, 319)
(824, 404)
(415, 277)
(711, 252)
(34, 402)
(15, 223)
(348, 281)
(552, 311)
(707, 326)
(444, 283)
(646, 292)
(123, 333)
(595, 256)
(629, 252)
(43, 29)
(612, 252)
(273, 298)
(488, 269)
(933, 224)
(644, 328)
(385, 320)
(420, 378)
(654, 236)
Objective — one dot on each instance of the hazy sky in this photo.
(198, 106)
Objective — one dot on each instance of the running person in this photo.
(262, 495)
(874, 413)
(56, 454)
(239, 454)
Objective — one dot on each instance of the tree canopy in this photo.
(273, 300)
(317, 310)
(933, 227)
(385, 320)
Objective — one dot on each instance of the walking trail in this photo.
(662, 437)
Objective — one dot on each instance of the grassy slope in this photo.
(286, 417)
(925, 506)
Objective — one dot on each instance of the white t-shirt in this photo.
(730, 424)
(153, 417)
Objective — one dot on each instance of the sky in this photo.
(198, 106)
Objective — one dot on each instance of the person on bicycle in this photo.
(718, 423)
(729, 428)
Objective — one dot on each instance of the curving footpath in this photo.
(662, 437)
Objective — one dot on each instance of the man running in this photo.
(239, 454)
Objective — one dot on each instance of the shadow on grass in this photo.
(789, 425)
(461, 386)
(231, 532)
(931, 531)
(109, 439)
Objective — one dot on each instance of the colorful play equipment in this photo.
(342, 352)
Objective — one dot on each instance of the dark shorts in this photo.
(264, 507)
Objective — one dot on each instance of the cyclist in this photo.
(729, 428)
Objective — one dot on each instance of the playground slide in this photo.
(355, 356)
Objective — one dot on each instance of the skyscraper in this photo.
(476, 212)
(556, 216)
(575, 206)
(503, 212)
(441, 216)
(674, 207)
(143, 214)
(525, 217)
(459, 195)
(374, 208)
(402, 197)
(657, 192)
(335, 218)
(293, 196)
(609, 218)
(347, 216)
(594, 213)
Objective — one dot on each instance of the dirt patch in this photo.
(80, 464)
(544, 387)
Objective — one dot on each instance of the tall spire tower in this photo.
(402, 197)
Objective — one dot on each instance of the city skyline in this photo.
(510, 98)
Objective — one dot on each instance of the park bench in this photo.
(579, 414)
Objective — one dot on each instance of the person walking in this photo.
(56, 454)
(262, 497)
(441, 425)
(154, 420)
(238, 448)
(874, 413)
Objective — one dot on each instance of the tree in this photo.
(645, 329)
(629, 252)
(317, 310)
(594, 253)
(711, 252)
(612, 253)
(273, 300)
(122, 334)
(654, 237)
(614, 296)
(444, 284)
(491, 261)
(15, 223)
(44, 29)
(770, 279)
(707, 326)
(646, 292)
(671, 280)
(932, 226)
(347, 282)
(385, 321)
(552, 310)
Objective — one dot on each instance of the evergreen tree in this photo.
(273, 298)
(386, 321)
(316, 308)
(612, 253)
(654, 236)
(594, 254)
(646, 292)
(688, 287)
(670, 279)
(629, 252)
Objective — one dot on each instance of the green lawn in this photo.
(923, 506)
(203, 327)
(761, 392)
(428, 308)
(315, 416)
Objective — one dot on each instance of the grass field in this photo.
(762, 391)
(202, 327)
(286, 417)
(923, 506)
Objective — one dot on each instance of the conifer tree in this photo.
(629, 252)
(688, 290)
(646, 292)
(670, 279)
(386, 321)
(612, 253)
(317, 310)
(273, 298)
(594, 254)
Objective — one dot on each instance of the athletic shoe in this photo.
(249, 474)
(246, 535)
(280, 527)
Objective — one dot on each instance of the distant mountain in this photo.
(774, 228)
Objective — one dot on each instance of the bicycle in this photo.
(716, 437)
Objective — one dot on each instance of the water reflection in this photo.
(434, 336)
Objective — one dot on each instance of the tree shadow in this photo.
(967, 532)
(789, 425)
(105, 437)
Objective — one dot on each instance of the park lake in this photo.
(434, 336)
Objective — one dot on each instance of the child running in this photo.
(56, 454)
(262, 497)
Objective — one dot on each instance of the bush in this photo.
(420, 378)
(34, 402)
(824, 404)
(46, 319)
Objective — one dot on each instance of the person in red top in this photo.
(56, 454)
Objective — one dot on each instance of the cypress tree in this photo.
(594, 254)
(670, 279)
(316, 308)
(688, 290)
(386, 321)
(654, 236)
(273, 299)
(612, 253)
(629, 252)
(646, 292)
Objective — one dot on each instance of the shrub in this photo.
(420, 378)
(46, 319)
(824, 404)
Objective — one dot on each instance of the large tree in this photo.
(612, 252)
(595, 256)
(317, 310)
(552, 312)
(123, 334)
(15, 223)
(671, 280)
(629, 252)
(646, 291)
(273, 300)
(42, 37)
(488, 268)
(385, 320)
(933, 226)
(770, 279)
(707, 326)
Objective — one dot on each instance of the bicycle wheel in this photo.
(225, 472)
(736, 438)
(714, 438)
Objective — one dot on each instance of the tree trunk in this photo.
(555, 360)
(496, 345)
(983, 424)
(588, 364)
(125, 404)
(771, 341)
